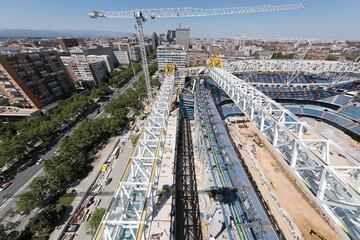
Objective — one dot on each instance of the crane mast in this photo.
(139, 28)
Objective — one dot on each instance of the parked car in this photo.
(89, 201)
(73, 228)
(4, 185)
(107, 181)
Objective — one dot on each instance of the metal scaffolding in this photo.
(130, 214)
(339, 70)
(307, 66)
(196, 12)
(312, 158)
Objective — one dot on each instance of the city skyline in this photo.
(317, 21)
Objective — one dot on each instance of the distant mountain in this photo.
(10, 33)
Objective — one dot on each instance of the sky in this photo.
(321, 19)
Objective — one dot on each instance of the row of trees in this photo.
(117, 78)
(20, 139)
(133, 97)
(73, 161)
(280, 55)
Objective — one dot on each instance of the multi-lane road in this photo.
(22, 180)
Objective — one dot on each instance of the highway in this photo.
(22, 180)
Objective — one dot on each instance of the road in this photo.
(22, 180)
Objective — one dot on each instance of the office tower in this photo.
(183, 36)
(34, 79)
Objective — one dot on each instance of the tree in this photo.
(96, 219)
(42, 224)
(26, 202)
(155, 82)
(8, 234)
(99, 91)
(134, 138)
(331, 57)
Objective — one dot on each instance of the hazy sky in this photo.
(325, 19)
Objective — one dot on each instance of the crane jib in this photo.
(195, 12)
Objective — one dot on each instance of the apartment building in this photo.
(196, 57)
(34, 80)
(87, 74)
(122, 57)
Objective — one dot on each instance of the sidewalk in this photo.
(106, 194)
(83, 186)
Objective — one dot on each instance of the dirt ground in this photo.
(287, 193)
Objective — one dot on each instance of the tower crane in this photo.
(132, 209)
(141, 15)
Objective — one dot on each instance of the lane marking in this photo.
(20, 190)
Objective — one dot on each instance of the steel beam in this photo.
(293, 66)
(130, 214)
(309, 159)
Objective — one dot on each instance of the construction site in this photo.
(219, 159)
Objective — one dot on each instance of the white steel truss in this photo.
(191, 72)
(130, 214)
(331, 175)
(196, 12)
(293, 66)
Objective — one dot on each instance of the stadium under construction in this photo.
(245, 150)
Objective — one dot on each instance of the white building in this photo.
(171, 54)
(98, 58)
(122, 57)
(87, 74)
(87, 70)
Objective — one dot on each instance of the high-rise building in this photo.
(86, 71)
(34, 79)
(99, 58)
(171, 54)
(132, 50)
(122, 46)
(102, 50)
(87, 74)
(66, 43)
(183, 36)
(171, 35)
(122, 57)
(154, 41)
